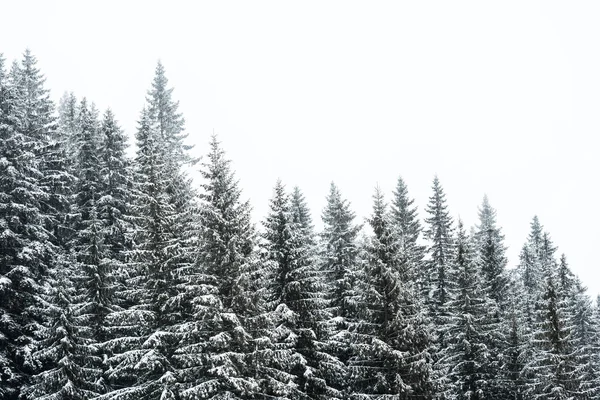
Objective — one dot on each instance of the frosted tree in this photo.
(114, 202)
(67, 347)
(438, 281)
(468, 354)
(391, 342)
(441, 249)
(552, 370)
(406, 222)
(339, 258)
(517, 349)
(25, 124)
(491, 253)
(217, 356)
(294, 297)
(584, 331)
(170, 125)
(141, 363)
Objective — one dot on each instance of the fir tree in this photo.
(491, 252)
(438, 282)
(218, 362)
(406, 222)
(392, 343)
(294, 296)
(141, 366)
(439, 232)
(67, 345)
(552, 371)
(468, 355)
(25, 124)
(339, 257)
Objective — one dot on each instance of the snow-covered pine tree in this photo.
(584, 332)
(115, 199)
(114, 210)
(163, 110)
(25, 123)
(216, 357)
(552, 371)
(438, 281)
(96, 274)
(293, 300)
(141, 362)
(67, 343)
(391, 342)
(468, 355)
(406, 222)
(441, 250)
(68, 125)
(312, 325)
(517, 349)
(491, 253)
(339, 258)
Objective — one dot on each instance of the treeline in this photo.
(119, 279)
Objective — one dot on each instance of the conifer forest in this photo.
(121, 278)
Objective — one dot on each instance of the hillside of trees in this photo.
(121, 278)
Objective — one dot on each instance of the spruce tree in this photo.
(391, 342)
(339, 258)
(438, 281)
(67, 344)
(141, 366)
(439, 232)
(406, 222)
(468, 355)
(25, 124)
(294, 297)
(217, 357)
(491, 253)
(552, 370)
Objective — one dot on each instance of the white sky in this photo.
(495, 97)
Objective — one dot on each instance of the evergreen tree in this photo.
(141, 366)
(439, 232)
(517, 350)
(25, 124)
(67, 345)
(392, 342)
(552, 371)
(468, 355)
(294, 297)
(491, 253)
(406, 222)
(218, 351)
(438, 283)
(339, 257)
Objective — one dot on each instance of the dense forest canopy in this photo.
(123, 278)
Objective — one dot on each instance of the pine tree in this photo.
(552, 371)
(25, 124)
(218, 351)
(438, 282)
(468, 355)
(406, 222)
(67, 345)
(141, 366)
(339, 257)
(439, 232)
(517, 350)
(491, 252)
(294, 297)
(392, 342)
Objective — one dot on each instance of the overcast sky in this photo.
(495, 97)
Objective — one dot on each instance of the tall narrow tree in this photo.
(392, 341)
